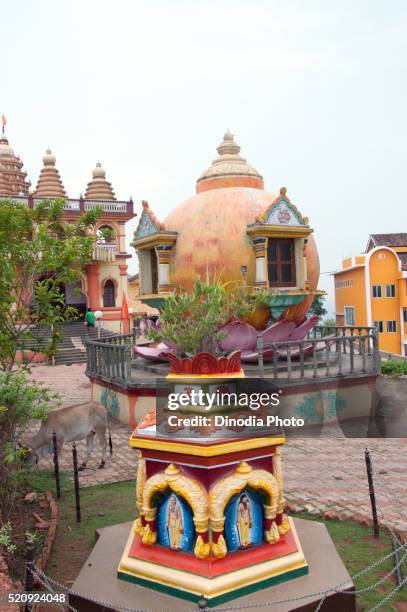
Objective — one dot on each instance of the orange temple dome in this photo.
(212, 225)
(233, 230)
(212, 235)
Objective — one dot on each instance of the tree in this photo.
(39, 251)
(318, 306)
(329, 325)
(20, 401)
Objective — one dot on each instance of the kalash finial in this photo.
(3, 123)
(228, 146)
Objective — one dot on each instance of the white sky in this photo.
(315, 92)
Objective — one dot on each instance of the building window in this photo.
(108, 294)
(379, 326)
(377, 291)
(343, 284)
(281, 262)
(349, 315)
(154, 271)
(106, 235)
(405, 315)
(391, 327)
(390, 290)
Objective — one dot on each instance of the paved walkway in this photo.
(321, 475)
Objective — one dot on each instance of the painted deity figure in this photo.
(174, 523)
(283, 214)
(244, 521)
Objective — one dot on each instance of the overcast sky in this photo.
(315, 92)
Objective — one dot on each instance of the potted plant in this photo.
(193, 322)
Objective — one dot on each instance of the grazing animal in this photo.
(70, 424)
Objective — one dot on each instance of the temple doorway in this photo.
(73, 297)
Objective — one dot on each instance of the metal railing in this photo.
(109, 358)
(321, 331)
(344, 353)
(79, 205)
(120, 207)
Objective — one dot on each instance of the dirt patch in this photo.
(76, 552)
(376, 542)
(26, 517)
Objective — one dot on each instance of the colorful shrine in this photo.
(211, 509)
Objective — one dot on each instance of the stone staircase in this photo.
(72, 349)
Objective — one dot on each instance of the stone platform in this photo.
(98, 579)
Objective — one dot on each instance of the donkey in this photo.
(70, 424)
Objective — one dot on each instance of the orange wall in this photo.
(351, 296)
(384, 270)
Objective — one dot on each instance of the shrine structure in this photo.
(212, 520)
(234, 229)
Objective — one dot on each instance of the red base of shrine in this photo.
(212, 567)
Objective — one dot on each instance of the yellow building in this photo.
(371, 289)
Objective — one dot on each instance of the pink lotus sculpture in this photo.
(242, 337)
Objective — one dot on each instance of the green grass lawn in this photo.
(106, 505)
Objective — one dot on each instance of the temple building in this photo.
(104, 281)
(371, 290)
(13, 179)
(234, 229)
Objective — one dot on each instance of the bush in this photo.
(395, 367)
(193, 319)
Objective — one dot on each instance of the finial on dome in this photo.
(228, 146)
(229, 169)
(283, 191)
(49, 159)
(3, 123)
(99, 172)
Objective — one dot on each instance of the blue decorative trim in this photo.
(145, 227)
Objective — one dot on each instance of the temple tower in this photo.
(12, 170)
(5, 189)
(49, 182)
(99, 188)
